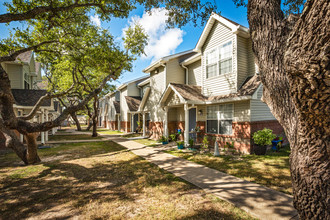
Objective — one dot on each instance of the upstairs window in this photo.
(226, 58)
(219, 60)
(211, 63)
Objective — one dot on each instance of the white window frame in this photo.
(219, 119)
(218, 59)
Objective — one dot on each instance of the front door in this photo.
(192, 121)
(135, 120)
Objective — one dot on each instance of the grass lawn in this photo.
(101, 180)
(147, 142)
(72, 137)
(109, 132)
(271, 170)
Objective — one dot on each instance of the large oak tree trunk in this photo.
(32, 148)
(95, 116)
(293, 57)
(75, 119)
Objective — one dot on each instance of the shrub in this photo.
(191, 142)
(263, 137)
(163, 139)
(205, 142)
(173, 137)
(180, 142)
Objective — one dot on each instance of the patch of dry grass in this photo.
(102, 180)
(272, 170)
(72, 137)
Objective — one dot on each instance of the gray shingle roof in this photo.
(194, 93)
(189, 92)
(29, 97)
(117, 106)
(24, 57)
(133, 102)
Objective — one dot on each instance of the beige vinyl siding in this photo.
(259, 110)
(219, 34)
(174, 72)
(123, 105)
(251, 59)
(132, 89)
(172, 114)
(242, 60)
(157, 86)
(112, 110)
(172, 99)
(221, 84)
(195, 73)
(15, 73)
(242, 111)
(201, 117)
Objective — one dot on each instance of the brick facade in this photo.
(155, 130)
(242, 134)
(125, 125)
(113, 125)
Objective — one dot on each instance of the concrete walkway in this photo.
(261, 202)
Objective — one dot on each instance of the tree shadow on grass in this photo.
(68, 182)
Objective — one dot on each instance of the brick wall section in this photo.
(113, 125)
(273, 125)
(124, 125)
(155, 130)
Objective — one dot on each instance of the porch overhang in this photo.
(167, 93)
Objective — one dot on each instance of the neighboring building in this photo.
(24, 74)
(214, 87)
(119, 109)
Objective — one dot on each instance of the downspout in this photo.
(187, 74)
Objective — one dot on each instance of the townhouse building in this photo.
(119, 109)
(214, 88)
(25, 74)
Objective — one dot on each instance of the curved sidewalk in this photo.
(261, 202)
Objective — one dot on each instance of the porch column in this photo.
(166, 122)
(132, 123)
(144, 123)
(186, 125)
(42, 117)
(46, 132)
(118, 123)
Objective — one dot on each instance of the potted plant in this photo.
(173, 137)
(261, 139)
(191, 142)
(180, 144)
(164, 140)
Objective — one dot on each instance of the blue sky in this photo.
(162, 41)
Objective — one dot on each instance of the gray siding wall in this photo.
(195, 73)
(174, 72)
(222, 84)
(157, 85)
(259, 110)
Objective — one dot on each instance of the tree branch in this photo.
(33, 13)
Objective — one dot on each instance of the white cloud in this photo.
(162, 41)
(96, 20)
